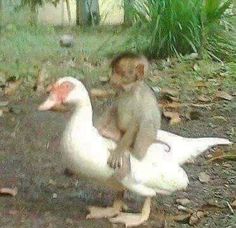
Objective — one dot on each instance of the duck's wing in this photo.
(163, 177)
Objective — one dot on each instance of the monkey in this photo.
(134, 118)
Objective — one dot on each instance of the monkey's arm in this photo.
(107, 126)
(117, 156)
(145, 137)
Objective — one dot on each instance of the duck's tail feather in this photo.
(199, 146)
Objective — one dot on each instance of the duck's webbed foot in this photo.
(107, 212)
(102, 212)
(131, 219)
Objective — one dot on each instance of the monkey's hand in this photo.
(116, 159)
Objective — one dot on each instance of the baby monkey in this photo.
(134, 118)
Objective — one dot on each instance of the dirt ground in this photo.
(30, 160)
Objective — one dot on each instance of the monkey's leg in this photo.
(107, 212)
(131, 219)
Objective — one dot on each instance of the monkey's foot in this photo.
(129, 219)
(105, 212)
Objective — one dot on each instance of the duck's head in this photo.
(66, 90)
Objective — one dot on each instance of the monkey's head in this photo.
(128, 68)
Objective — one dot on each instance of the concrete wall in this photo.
(49, 14)
(111, 12)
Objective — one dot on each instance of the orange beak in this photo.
(49, 103)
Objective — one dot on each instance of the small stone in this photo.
(69, 221)
(203, 177)
(54, 195)
(183, 202)
(52, 182)
(233, 204)
(67, 40)
(192, 56)
(103, 79)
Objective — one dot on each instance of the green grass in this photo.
(25, 48)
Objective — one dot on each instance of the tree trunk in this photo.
(87, 12)
(68, 11)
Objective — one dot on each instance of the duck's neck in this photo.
(82, 116)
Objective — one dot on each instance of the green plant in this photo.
(167, 27)
(170, 27)
(218, 31)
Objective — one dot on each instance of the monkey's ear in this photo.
(140, 71)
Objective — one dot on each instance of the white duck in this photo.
(86, 152)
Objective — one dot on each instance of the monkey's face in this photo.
(123, 74)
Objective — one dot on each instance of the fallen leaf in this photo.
(184, 218)
(12, 212)
(100, 93)
(203, 177)
(226, 165)
(170, 92)
(3, 103)
(103, 79)
(214, 203)
(224, 95)
(220, 118)
(185, 209)
(8, 191)
(200, 84)
(231, 155)
(11, 87)
(42, 76)
(173, 105)
(183, 202)
(202, 105)
(195, 217)
(204, 98)
(174, 117)
(52, 182)
(233, 204)
(196, 67)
